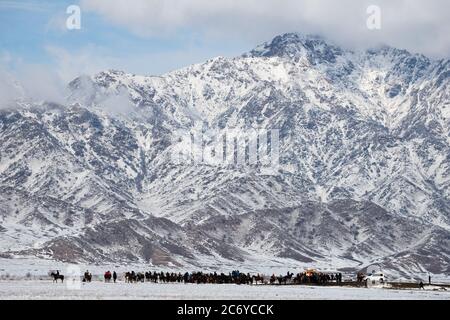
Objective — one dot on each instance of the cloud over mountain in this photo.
(414, 25)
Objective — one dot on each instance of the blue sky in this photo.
(155, 36)
(33, 32)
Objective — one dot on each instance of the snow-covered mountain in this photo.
(363, 176)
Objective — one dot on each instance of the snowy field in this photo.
(45, 289)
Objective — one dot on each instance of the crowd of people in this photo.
(310, 276)
(318, 278)
(194, 277)
(234, 277)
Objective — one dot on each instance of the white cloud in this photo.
(417, 25)
(23, 81)
(87, 60)
(30, 83)
(8, 91)
(118, 104)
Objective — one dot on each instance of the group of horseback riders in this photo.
(195, 277)
(234, 277)
(318, 278)
(87, 277)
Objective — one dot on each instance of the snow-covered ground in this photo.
(45, 289)
(22, 268)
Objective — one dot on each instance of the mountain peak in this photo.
(294, 45)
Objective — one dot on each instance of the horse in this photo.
(87, 277)
(288, 278)
(57, 276)
(272, 279)
(258, 278)
(130, 277)
(140, 277)
(282, 280)
(299, 278)
(285, 279)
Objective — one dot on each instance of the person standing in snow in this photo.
(114, 276)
